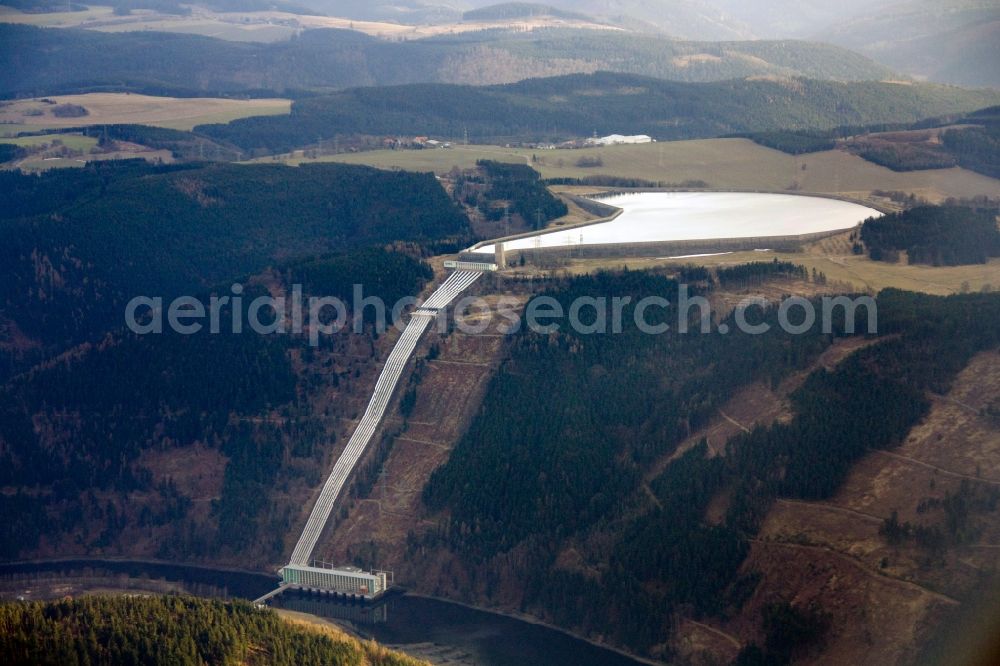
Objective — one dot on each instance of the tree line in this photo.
(936, 235)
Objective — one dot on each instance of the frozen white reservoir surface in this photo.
(671, 216)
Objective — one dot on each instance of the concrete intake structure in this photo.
(449, 290)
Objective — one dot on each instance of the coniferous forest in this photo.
(111, 405)
(77, 244)
(172, 630)
(522, 187)
(936, 235)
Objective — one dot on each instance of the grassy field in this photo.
(10, 130)
(43, 161)
(173, 112)
(437, 161)
(231, 27)
(55, 19)
(852, 272)
(868, 275)
(72, 141)
(233, 32)
(722, 163)
(743, 165)
(44, 164)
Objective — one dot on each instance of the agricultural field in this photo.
(60, 151)
(867, 275)
(46, 163)
(113, 108)
(71, 141)
(231, 31)
(56, 19)
(437, 161)
(238, 27)
(268, 26)
(737, 164)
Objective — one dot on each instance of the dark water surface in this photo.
(450, 633)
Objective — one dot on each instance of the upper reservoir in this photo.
(680, 216)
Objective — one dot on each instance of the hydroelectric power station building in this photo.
(347, 581)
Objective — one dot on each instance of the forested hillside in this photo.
(77, 244)
(248, 412)
(260, 413)
(796, 143)
(51, 61)
(172, 630)
(552, 487)
(553, 459)
(971, 141)
(977, 147)
(652, 55)
(689, 19)
(578, 105)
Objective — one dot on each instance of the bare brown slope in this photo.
(885, 601)
(374, 530)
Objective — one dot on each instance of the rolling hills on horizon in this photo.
(683, 19)
(52, 61)
(604, 102)
(954, 42)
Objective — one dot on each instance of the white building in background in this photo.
(619, 140)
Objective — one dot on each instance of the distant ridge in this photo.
(59, 61)
(577, 105)
(517, 10)
(951, 41)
